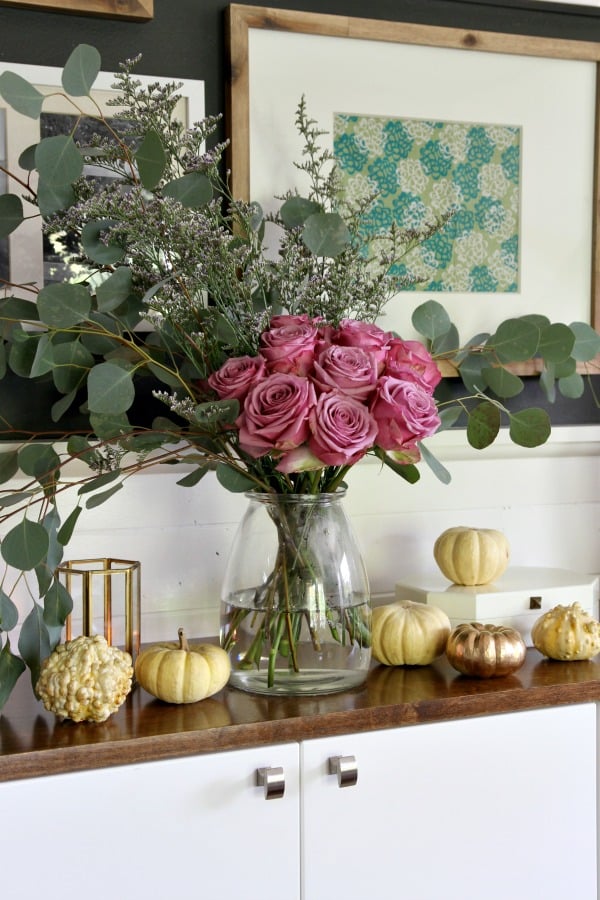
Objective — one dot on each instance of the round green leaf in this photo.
(57, 605)
(93, 238)
(34, 641)
(64, 305)
(11, 668)
(556, 342)
(9, 465)
(192, 190)
(502, 382)
(110, 389)
(114, 290)
(326, 234)
(151, 160)
(431, 320)
(232, 480)
(72, 362)
(38, 460)
(483, 425)
(516, 340)
(21, 95)
(25, 545)
(11, 214)
(571, 386)
(58, 160)
(295, 211)
(9, 614)
(81, 70)
(587, 341)
(27, 158)
(53, 198)
(530, 427)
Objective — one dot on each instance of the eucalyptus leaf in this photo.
(548, 382)
(58, 160)
(80, 448)
(483, 425)
(440, 471)
(431, 320)
(72, 362)
(114, 290)
(502, 382)
(446, 344)
(478, 340)
(9, 614)
(192, 190)
(63, 305)
(556, 343)
(58, 409)
(66, 530)
(99, 482)
(110, 389)
(408, 471)
(326, 234)
(43, 360)
(21, 95)
(449, 416)
(25, 545)
(151, 159)
(53, 198)
(110, 427)
(34, 641)
(193, 477)
(81, 70)
(516, 340)
(11, 214)
(11, 669)
(530, 427)
(22, 353)
(9, 465)
(99, 499)
(232, 480)
(27, 158)
(295, 211)
(471, 372)
(15, 309)
(15, 497)
(39, 460)
(587, 341)
(572, 386)
(58, 604)
(93, 238)
(217, 412)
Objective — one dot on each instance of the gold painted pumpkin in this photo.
(471, 555)
(567, 633)
(485, 651)
(182, 673)
(408, 634)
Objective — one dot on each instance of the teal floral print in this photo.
(420, 170)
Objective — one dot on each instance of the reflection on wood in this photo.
(137, 10)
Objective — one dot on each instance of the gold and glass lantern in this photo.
(106, 596)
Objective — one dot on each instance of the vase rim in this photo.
(321, 497)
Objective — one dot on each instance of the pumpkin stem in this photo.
(183, 641)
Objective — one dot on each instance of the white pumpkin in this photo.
(471, 555)
(405, 633)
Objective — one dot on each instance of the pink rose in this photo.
(342, 429)
(365, 335)
(347, 369)
(289, 347)
(275, 414)
(405, 413)
(410, 361)
(236, 376)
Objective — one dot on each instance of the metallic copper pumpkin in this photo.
(485, 651)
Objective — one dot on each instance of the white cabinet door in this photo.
(156, 830)
(493, 807)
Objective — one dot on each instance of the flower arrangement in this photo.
(272, 367)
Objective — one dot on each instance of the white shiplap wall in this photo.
(547, 502)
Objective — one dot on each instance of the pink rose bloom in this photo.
(410, 361)
(289, 347)
(275, 414)
(280, 321)
(347, 369)
(235, 377)
(365, 335)
(342, 429)
(405, 413)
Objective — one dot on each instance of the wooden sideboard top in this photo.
(33, 742)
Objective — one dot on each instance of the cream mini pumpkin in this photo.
(408, 634)
(485, 651)
(182, 672)
(567, 633)
(471, 556)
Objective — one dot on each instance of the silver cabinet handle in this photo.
(273, 780)
(345, 768)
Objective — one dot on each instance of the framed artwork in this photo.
(503, 127)
(137, 10)
(25, 257)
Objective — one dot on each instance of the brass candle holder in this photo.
(106, 595)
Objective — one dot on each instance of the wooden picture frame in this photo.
(136, 10)
(244, 23)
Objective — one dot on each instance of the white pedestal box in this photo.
(516, 599)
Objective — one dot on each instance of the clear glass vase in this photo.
(296, 609)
